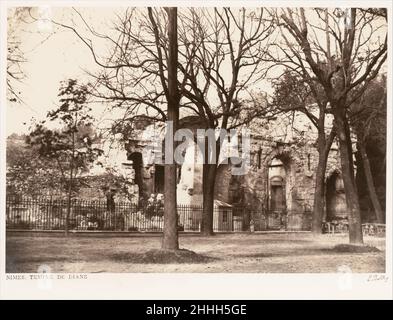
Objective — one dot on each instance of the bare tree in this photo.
(223, 52)
(343, 51)
(140, 76)
(220, 60)
(368, 119)
(296, 91)
(170, 240)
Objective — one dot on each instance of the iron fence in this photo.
(50, 214)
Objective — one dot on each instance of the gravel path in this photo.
(240, 253)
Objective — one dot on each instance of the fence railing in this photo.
(342, 226)
(50, 214)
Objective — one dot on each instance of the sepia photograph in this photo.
(192, 138)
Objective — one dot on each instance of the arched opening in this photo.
(159, 179)
(335, 197)
(277, 194)
(137, 165)
(277, 178)
(277, 200)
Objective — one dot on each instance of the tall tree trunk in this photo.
(370, 183)
(208, 182)
(319, 195)
(324, 146)
(351, 195)
(208, 185)
(170, 239)
(350, 151)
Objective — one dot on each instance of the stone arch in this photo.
(137, 165)
(284, 154)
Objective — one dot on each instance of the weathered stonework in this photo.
(281, 176)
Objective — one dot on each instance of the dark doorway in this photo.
(277, 195)
(276, 217)
(277, 198)
(137, 164)
(277, 177)
(159, 179)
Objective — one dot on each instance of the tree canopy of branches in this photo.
(368, 120)
(223, 52)
(295, 93)
(220, 61)
(343, 50)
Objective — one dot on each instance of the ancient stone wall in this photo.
(291, 142)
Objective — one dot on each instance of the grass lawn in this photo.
(262, 253)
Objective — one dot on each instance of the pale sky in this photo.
(59, 58)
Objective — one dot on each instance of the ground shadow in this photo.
(157, 256)
(339, 249)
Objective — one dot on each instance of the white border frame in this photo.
(197, 285)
